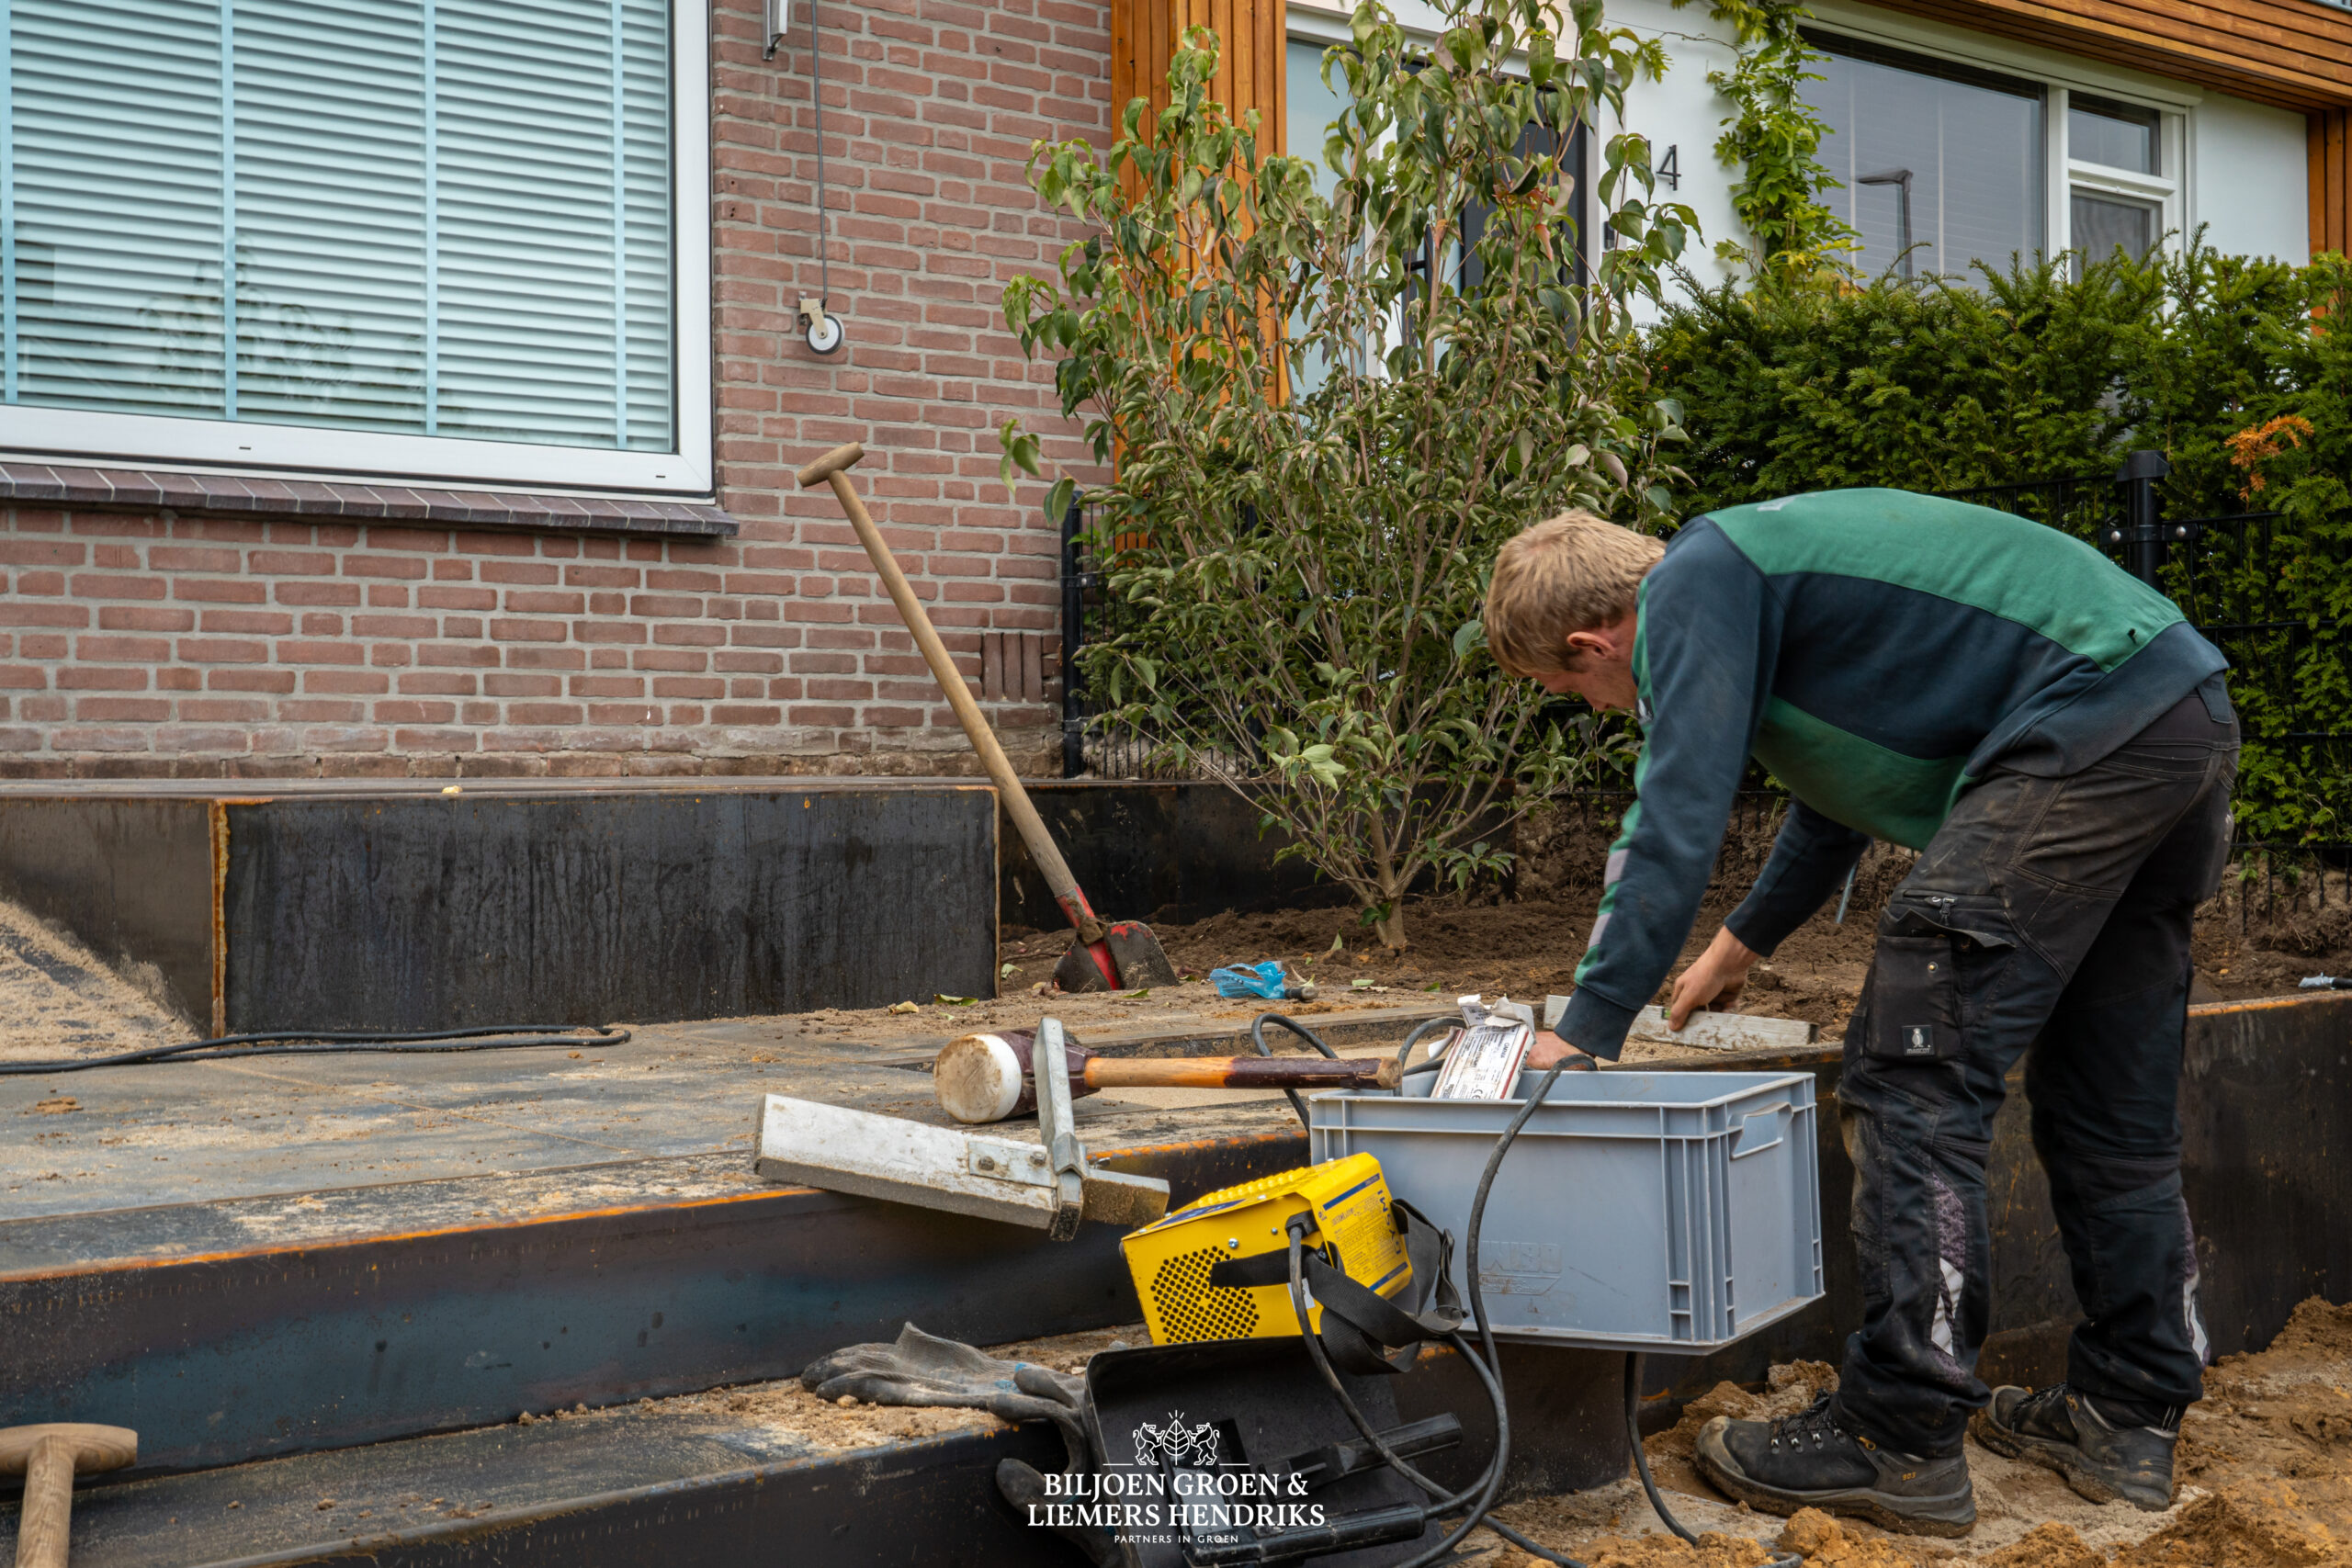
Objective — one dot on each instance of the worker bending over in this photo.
(2058, 744)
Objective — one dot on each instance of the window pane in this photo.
(1955, 156)
(115, 174)
(2102, 224)
(441, 217)
(1309, 108)
(2118, 135)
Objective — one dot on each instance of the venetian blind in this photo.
(435, 217)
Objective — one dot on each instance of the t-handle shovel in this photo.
(1120, 955)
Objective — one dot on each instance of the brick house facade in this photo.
(220, 639)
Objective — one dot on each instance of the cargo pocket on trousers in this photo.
(1914, 999)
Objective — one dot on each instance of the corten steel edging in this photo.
(437, 912)
(2266, 1111)
(652, 1488)
(232, 1356)
(930, 1501)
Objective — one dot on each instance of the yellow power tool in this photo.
(1219, 1268)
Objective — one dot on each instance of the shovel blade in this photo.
(1142, 961)
(1137, 962)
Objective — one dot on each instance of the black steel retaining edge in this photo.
(2265, 1113)
(226, 1357)
(651, 1487)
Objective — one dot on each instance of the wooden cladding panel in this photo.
(2294, 54)
(1251, 33)
(2331, 177)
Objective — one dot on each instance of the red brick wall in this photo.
(138, 644)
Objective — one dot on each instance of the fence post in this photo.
(2141, 535)
(1074, 585)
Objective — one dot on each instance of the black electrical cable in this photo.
(1420, 1031)
(1257, 1038)
(316, 1042)
(817, 102)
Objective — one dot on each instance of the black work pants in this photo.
(2048, 918)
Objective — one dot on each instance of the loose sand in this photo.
(2264, 1481)
(59, 1001)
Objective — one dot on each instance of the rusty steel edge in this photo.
(228, 1356)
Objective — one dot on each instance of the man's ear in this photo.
(1593, 644)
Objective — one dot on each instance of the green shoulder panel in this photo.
(1847, 778)
(1989, 560)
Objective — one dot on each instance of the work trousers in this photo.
(2049, 918)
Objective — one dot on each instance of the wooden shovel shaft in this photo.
(1240, 1072)
(1042, 847)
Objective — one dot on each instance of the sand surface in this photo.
(2263, 1480)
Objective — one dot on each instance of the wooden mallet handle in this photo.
(48, 1456)
(987, 1077)
(1241, 1072)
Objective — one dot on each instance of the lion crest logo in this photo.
(1189, 1447)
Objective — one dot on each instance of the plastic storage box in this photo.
(1662, 1212)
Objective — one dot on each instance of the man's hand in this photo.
(1548, 1048)
(1715, 980)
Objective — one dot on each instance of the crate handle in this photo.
(1751, 1141)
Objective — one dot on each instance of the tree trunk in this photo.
(1390, 928)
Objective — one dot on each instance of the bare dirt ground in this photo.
(2265, 1474)
(57, 1000)
(2264, 1480)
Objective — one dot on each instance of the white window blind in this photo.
(432, 218)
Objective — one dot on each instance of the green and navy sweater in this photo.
(1878, 651)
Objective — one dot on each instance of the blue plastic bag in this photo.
(1251, 980)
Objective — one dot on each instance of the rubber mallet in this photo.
(49, 1457)
(987, 1077)
(1113, 955)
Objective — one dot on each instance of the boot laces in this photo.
(1810, 1430)
(2039, 1403)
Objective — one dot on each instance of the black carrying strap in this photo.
(1364, 1331)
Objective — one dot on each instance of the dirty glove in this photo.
(923, 1368)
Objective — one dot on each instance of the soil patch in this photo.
(792, 1413)
(58, 1000)
(2264, 1480)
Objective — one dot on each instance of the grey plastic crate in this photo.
(1668, 1212)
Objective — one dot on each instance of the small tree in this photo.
(1328, 411)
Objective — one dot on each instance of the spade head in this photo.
(1137, 962)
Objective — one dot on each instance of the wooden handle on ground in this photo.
(49, 1455)
(1240, 1072)
(832, 469)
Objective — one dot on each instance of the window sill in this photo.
(254, 495)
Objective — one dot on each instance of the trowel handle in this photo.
(832, 469)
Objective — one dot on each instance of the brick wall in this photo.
(135, 644)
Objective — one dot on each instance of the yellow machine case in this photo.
(1171, 1258)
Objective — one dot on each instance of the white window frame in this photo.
(126, 440)
(2160, 190)
(2059, 80)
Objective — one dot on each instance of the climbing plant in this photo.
(1328, 411)
(1773, 137)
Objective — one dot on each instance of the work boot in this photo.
(2102, 1460)
(1808, 1460)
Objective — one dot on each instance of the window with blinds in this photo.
(452, 220)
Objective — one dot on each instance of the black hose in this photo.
(1404, 1051)
(316, 1042)
(1257, 1038)
(1641, 1455)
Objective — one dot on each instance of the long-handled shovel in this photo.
(1119, 955)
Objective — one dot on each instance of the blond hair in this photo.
(1569, 573)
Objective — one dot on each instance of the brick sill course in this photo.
(152, 489)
